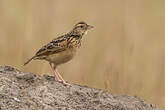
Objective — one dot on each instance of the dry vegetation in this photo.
(124, 54)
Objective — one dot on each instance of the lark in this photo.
(62, 49)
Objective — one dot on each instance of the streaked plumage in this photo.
(63, 48)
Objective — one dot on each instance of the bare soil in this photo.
(28, 91)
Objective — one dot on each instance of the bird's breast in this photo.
(62, 57)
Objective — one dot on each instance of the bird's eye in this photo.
(81, 26)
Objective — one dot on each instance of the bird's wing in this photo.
(55, 46)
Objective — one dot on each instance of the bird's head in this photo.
(81, 28)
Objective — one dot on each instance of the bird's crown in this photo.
(81, 28)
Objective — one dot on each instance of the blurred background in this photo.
(124, 53)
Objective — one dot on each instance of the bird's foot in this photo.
(65, 83)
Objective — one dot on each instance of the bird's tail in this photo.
(29, 60)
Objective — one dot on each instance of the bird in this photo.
(62, 49)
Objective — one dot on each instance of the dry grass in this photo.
(124, 54)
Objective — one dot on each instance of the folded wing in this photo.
(55, 46)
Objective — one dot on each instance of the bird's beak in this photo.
(89, 26)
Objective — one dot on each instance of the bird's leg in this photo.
(64, 82)
(55, 73)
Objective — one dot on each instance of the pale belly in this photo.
(61, 57)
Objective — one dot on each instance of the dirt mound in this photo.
(27, 91)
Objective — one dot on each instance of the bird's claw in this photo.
(64, 82)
